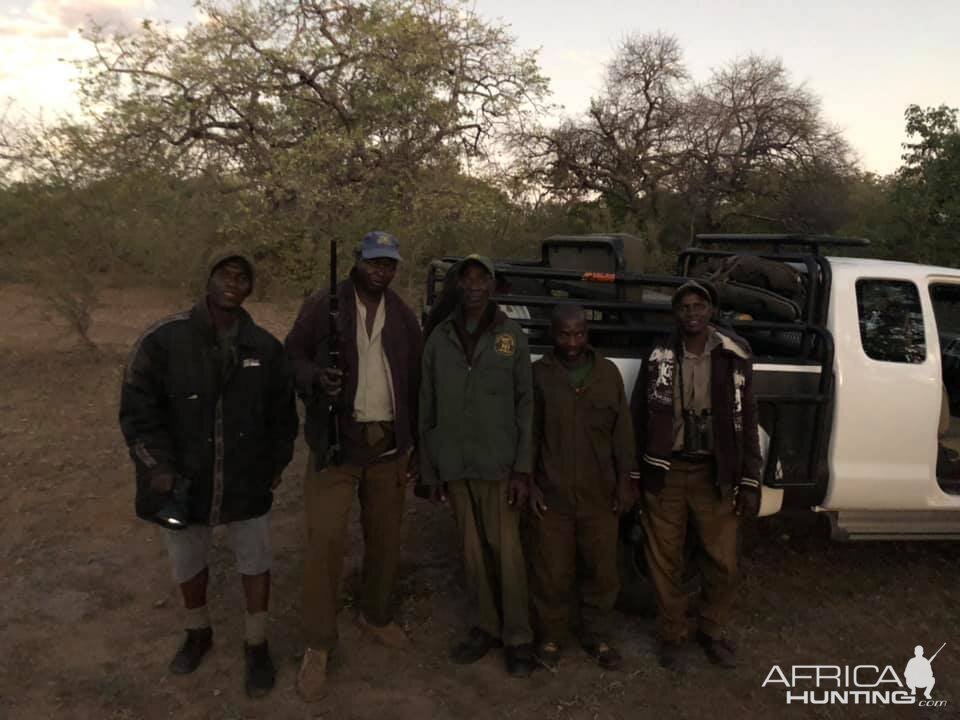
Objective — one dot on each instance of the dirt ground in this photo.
(89, 615)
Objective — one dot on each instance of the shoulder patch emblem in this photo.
(505, 344)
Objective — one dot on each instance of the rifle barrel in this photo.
(333, 359)
(936, 653)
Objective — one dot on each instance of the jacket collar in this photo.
(733, 343)
(729, 342)
(203, 324)
(347, 296)
(553, 362)
(447, 323)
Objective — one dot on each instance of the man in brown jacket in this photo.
(585, 477)
(375, 392)
(695, 418)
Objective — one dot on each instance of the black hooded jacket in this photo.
(227, 428)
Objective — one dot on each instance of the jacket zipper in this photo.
(216, 501)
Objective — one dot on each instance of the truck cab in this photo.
(894, 425)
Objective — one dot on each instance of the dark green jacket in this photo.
(583, 440)
(476, 420)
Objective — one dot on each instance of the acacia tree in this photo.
(753, 136)
(628, 143)
(654, 139)
(304, 107)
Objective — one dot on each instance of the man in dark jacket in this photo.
(375, 394)
(476, 414)
(584, 477)
(207, 409)
(695, 418)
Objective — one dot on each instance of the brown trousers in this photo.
(328, 495)
(493, 558)
(573, 566)
(689, 492)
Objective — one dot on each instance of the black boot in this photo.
(477, 644)
(261, 673)
(519, 660)
(195, 645)
(718, 651)
(672, 656)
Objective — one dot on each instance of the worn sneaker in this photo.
(608, 657)
(718, 651)
(261, 674)
(478, 643)
(548, 653)
(391, 635)
(195, 645)
(312, 678)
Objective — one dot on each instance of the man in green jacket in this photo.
(476, 414)
(584, 477)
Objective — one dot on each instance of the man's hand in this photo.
(747, 500)
(413, 469)
(276, 481)
(330, 381)
(625, 495)
(438, 493)
(518, 489)
(537, 503)
(162, 483)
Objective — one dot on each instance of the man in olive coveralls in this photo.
(584, 478)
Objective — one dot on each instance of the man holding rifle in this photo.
(370, 394)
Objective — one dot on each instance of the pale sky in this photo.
(866, 60)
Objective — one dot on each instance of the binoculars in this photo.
(697, 432)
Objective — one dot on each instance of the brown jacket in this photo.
(583, 440)
(735, 418)
(308, 347)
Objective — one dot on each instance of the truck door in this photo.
(945, 299)
(888, 394)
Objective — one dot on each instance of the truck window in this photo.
(891, 321)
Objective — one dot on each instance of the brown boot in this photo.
(312, 678)
(391, 635)
(718, 651)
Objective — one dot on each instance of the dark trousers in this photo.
(328, 495)
(574, 574)
(689, 494)
(493, 558)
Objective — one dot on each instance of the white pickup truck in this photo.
(857, 364)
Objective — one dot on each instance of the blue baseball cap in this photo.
(379, 244)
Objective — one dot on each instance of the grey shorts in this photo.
(189, 549)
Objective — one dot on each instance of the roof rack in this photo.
(778, 241)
